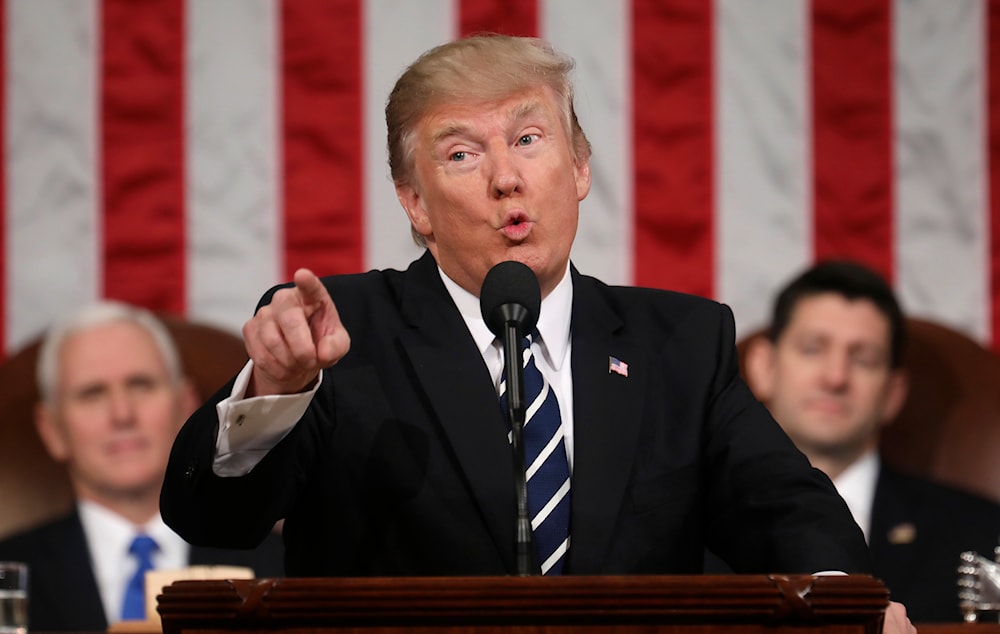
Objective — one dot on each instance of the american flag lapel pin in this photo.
(617, 366)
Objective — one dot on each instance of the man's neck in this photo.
(139, 509)
(835, 463)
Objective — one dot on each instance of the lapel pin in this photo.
(904, 533)
(617, 366)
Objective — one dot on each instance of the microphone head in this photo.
(510, 292)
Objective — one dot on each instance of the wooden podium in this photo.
(495, 605)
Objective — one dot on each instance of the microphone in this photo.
(510, 300)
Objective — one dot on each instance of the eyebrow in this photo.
(521, 111)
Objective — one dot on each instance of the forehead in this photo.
(108, 349)
(449, 118)
(834, 315)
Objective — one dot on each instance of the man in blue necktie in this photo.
(113, 395)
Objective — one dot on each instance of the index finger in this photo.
(310, 288)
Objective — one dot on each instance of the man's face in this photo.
(829, 381)
(496, 181)
(116, 413)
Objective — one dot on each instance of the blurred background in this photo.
(186, 155)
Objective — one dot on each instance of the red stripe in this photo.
(852, 131)
(322, 136)
(674, 199)
(993, 155)
(142, 152)
(510, 17)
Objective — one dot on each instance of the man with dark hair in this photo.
(830, 372)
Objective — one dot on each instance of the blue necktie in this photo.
(134, 606)
(546, 465)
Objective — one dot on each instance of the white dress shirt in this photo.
(856, 485)
(108, 539)
(250, 427)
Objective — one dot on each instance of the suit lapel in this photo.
(606, 421)
(451, 371)
(893, 530)
(72, 589)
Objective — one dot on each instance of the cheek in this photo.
(872, 394)
(161, 415)
(83, 426)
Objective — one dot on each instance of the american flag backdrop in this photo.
(185, 155)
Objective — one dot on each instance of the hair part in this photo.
(474, 69)
(92, 316)
(852, 281)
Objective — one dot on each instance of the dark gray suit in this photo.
(918, 530)
(401, 465)
(63, 594)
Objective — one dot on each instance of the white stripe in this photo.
(233, 205)
(555, 557)
(537, 403)
(597, 34)
(762, 166)
(554, 501)
(52, 223)
(552, 445)
(396, 32)
(941, 162)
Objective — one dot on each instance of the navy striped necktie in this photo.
(546, 465)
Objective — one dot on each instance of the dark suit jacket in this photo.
(63, 594)
(919, 528)
(401, 465)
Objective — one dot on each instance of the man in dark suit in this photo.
(830, 372)
(368, 416)
(112, 399)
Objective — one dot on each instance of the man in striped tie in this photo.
(368, 415)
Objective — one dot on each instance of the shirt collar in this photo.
(856, 484)
(553, 322)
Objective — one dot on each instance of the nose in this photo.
(505, 176)
(836, 369)
(122, 408)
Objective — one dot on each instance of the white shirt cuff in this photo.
(250, 427)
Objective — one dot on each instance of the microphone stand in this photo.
(516, 410)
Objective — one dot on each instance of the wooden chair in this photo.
(34, 488)
(949, 428)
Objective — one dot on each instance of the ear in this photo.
(51, 432)
(582, 179)
(188, 398)
(759, 367)
(413, 204)
(898, 390)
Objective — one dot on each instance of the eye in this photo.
(458, 157)
(527, 139)
(141, 384)
(870, 359)
(91, 394)
(809, 349)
